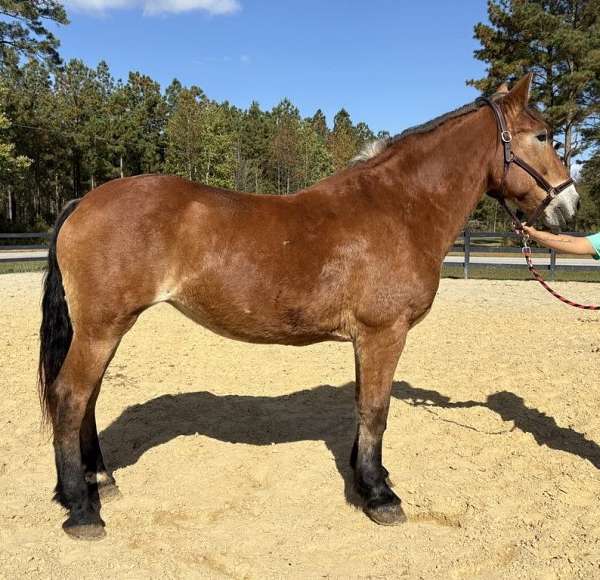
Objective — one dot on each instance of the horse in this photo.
(356, 257)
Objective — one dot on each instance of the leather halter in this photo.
(509, 159)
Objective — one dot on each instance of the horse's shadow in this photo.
(323, 413)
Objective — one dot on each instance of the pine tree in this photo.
(12, 168)
(80, 102)
(284, 155)
(319, 124)
(23, 31)
(343, 141)
(557, 40)
(315, 160)
(72, 128)
(255, 138)
(184, 134)
(217, 157)
(140, 114)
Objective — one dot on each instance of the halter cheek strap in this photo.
(509, 159)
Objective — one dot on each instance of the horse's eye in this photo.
(542, 137)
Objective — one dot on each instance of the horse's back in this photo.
(247, 266)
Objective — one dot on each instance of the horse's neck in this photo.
(441, 175)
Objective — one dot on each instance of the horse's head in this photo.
(531, 142)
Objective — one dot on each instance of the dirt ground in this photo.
(232, 459)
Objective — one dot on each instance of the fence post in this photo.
(552, 264)
(467, 252)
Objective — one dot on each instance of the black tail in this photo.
(56, 330)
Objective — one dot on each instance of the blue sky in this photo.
(390, 63)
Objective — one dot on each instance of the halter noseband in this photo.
(509, 159)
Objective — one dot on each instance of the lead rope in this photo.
(537, 276)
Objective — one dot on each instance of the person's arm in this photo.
(562, 242)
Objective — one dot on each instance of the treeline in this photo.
(75, 127)
(66, 128)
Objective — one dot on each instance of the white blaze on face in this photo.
(562, 208)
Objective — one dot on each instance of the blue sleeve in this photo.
(595, 241)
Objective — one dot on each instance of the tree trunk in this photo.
(76, 174)
(568, 144)
(9, 207)
(56, 196)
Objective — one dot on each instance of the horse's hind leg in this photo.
(377, 353)
(96, 474)
(80, 375)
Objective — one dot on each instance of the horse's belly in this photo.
(264, 326)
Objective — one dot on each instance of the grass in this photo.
(448, 271)
(518, 273)
(20, 267)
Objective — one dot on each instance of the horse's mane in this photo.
(374, 148)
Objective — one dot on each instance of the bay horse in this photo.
(356, 257)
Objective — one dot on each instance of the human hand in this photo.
(530, 231)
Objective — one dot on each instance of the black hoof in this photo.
(85, 531)
(387, 514)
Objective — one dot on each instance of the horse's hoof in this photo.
(109, 492)
(88, 532)
(388, 514)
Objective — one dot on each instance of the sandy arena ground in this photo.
(233, 459)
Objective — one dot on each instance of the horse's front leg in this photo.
(377, 353)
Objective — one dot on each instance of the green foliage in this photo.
(589, 189)
(184, 130)
(12, 166)
(23, 31)
(559, 41)
(344, 141)
(75, 127)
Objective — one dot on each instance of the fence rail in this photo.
(466, 245)
(471, 243)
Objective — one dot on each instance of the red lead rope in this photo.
(527, 254)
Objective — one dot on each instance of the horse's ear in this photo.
(516, 100)
(502, 89)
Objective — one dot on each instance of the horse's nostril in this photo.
(578, 206)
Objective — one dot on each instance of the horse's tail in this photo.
(56, 330)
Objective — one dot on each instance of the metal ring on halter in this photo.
(506, 136)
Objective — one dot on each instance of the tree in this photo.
(23, 31)
(12, 167)
(28, 101)
(81, 98)
(315, 160)
(589, 189)
(343, 141)
(254, 148)
(139, 113)
(184, 134)
(284, 155)
(217, 139)
(65, 130)
(319, 124)
(557, 40)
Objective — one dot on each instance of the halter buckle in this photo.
(506, 136)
